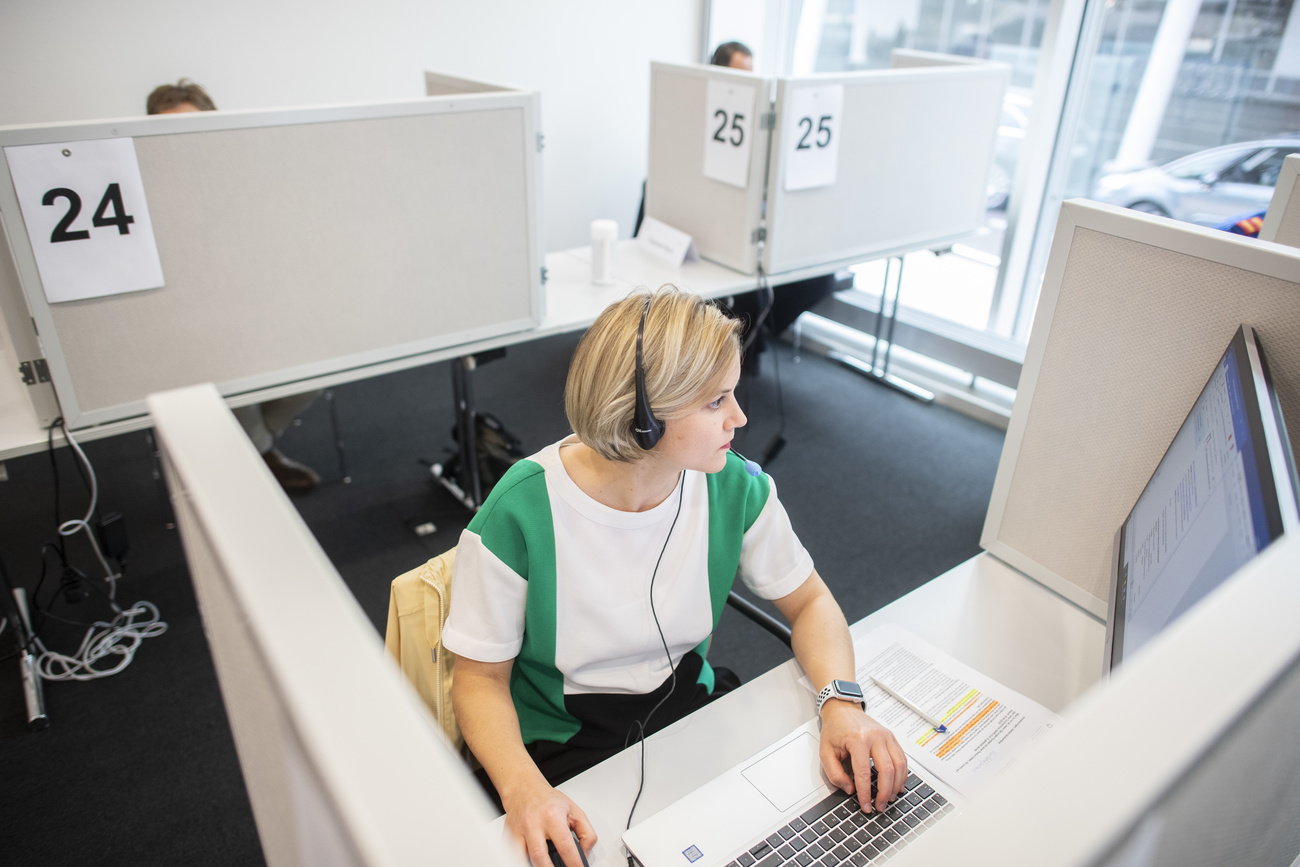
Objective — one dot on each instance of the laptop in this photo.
(777, 808)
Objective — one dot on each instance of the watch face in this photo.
(847, 688)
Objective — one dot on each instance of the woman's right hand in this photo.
(537, 812)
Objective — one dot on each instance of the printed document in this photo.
(989, 726)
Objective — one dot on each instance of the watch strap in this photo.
(830, 692)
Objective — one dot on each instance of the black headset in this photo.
(646, 429)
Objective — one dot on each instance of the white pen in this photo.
(938, 726)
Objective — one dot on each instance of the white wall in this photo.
(86, 59)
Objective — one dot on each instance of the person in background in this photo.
(263, 422)
(183, 96)
(735, 55)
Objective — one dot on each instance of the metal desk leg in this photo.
(470, 492)
(339, 452)
(885, 332)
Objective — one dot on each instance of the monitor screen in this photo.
(1223, 492)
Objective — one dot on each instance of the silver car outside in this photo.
(1208, 187)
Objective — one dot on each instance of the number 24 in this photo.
(739, 131)
(112, 198)
(821, 128)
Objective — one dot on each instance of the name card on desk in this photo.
(672, 245)
(84, 208)
(812, 136)
(727, 144)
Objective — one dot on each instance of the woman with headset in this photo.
(586, 588)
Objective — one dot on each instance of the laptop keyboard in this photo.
(836, 832)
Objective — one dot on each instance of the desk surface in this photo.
(572, 303)
(982, 612)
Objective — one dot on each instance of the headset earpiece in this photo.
(646, 429)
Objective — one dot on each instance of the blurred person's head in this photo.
(733, 54)
(183, 96)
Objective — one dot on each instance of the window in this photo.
(1209, 89)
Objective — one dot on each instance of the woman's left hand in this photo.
(848, 733)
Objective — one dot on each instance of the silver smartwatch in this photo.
(845, 690)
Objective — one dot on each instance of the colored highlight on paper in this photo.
(960, 707)
(963, 704)
(954, 740)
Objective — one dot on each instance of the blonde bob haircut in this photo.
(689, 345)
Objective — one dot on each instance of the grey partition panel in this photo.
(303, 243)
(910, 58)
(438, 84)
(1134, 313)
(1282, 222)
(916, 145)
(342, 762)
(720, 217)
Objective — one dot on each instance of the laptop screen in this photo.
(1222, 493)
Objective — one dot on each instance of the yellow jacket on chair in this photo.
(417, 607)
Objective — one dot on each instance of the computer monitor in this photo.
(343, 763)
(1224, 491)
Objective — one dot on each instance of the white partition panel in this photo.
(910, 58)
(721, 217)
(301, 243)
(343, 763)
(915, 148)
(1134, 312)
(1282, 222)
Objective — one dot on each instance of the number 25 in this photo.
(822, 127)
(738, 131)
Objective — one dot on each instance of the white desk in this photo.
(982, 612)
(572, 303)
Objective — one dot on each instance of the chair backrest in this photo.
(417, 608)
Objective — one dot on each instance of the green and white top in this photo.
(549, 577)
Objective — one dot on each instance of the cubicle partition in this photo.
(288, 245)
(1282, 222)
(699, 114)
(915, 149)
(835, 169)
(1134, 313)
(343, 763)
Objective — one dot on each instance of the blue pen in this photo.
(938, 726)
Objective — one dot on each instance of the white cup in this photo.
(604, 235)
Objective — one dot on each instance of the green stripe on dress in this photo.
(516, 525)
(735, 501)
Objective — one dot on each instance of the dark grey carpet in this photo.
(140, 767)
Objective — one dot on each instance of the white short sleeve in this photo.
(773, 562)
(486, 622)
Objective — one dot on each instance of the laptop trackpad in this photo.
(790, 774)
